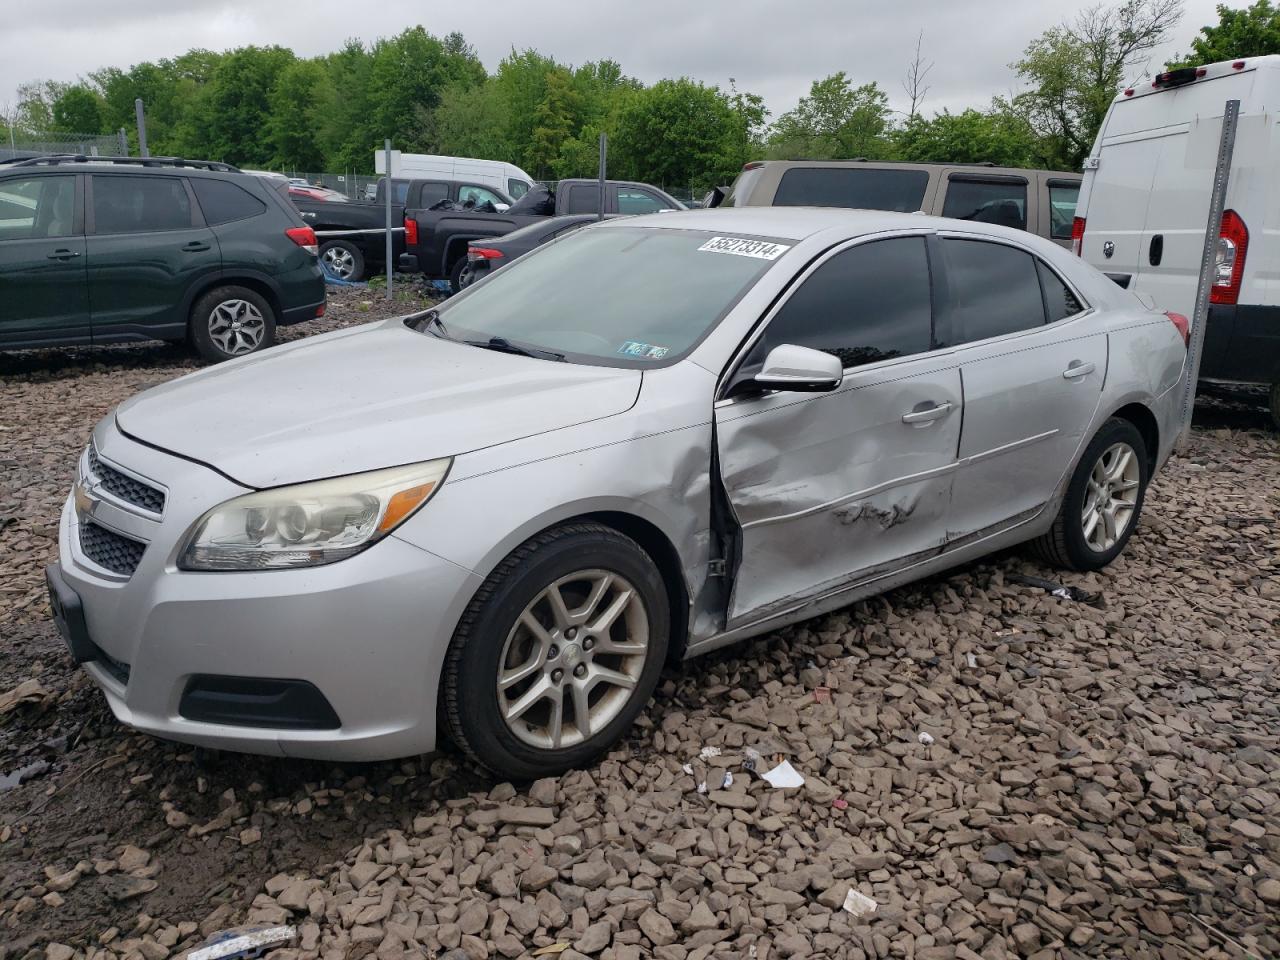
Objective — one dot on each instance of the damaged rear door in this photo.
(831, 488)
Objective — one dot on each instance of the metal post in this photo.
(142, 128)
(124, 142)
(604, 150)
(1200, 314)
(390, 265)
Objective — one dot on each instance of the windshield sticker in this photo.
(642, 351)
(759, 249)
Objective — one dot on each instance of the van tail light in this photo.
(1184, 327)
(483, 253)
(304, 237)
(1077, 235)
(1228, 271)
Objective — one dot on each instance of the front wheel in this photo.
(557, 653)
(1103, 502)
(231, 322)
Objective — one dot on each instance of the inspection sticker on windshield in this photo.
(760, 249)
(642, 351)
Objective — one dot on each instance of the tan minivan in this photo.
(1040, 201)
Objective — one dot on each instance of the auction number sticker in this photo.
(642, 351)
(739, 247)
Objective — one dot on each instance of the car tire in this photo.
(1274, 403)
(231, 321)
(502, 680)
(1103, 503)
(455, 274)
(343, 259)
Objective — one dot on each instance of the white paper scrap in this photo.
(706, 752)
(858, 904)
(784, 775)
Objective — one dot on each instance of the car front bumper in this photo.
(368, 633)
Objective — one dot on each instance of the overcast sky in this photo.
(774, 49)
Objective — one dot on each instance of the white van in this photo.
(1145, 201)
(507, 177)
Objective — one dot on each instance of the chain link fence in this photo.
(360, 187)
(20, 145)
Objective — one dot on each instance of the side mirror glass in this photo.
(799, 369)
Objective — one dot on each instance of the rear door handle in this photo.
(195, 246)
(928, 414)
(1077, 370)
(63, 255)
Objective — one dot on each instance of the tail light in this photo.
(1233, 245)
(1077, 235)
(1179, 321)
(483, 253)
(410, 232)
(304, 237)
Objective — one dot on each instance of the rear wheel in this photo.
(231, 322)
(455, 274)
(558, 652)
(1103, 502)
(343, 259)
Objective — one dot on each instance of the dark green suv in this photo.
(110, 250)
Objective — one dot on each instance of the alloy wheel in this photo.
(237, 327)
(573, 659)
(340, 262)
(1111, 496)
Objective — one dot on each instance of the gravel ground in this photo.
(1000, 771)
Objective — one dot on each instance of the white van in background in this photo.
(507, 177)
(1144, 204)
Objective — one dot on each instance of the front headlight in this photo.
(311, 523)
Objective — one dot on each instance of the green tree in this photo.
(78, 110)
(836, 119)
(35, 104)
(343, 130)
(999, 135)
(230, 120)
(1075, 70)
(749, 119)
(1251, 32)
(300, 101)
(554, 121)
(410, 71)
(673, 134)
(470, 122)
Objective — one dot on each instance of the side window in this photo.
(870, 302)
(1002, 202)
(1062, 209)
(130, 204)
(994, 290)
(583, 198)
(633, 201)
(478, 194)
(516, 189)
(37, 207)
(432, 192)
(222, 202)
(1059, 301)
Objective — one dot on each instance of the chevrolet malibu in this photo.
(496, 520)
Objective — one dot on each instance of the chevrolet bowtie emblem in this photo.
(84, 497)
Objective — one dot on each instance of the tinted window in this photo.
(131, 204)
(994, 290)
(996, 201)
(583, 199)
(1062, 209)
(632, 201)
(431, 193)
(868, 303)
(222, 202)
(1059, 301)
(33, 207)
(852, 186)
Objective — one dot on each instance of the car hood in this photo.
(362, 399)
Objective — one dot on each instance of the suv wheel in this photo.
(558, 652)
(1103, 501)
(343, 259)
(231, 322)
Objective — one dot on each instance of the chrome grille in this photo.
(110, 550)
(125, 487)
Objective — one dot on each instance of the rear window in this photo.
(857, 187)
(1002, 202)
(222, 202)
(741, 189)
(583, 199)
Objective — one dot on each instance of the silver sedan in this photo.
(496, 520)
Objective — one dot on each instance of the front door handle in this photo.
(928, 414)
(1077, 370)
(195, 246)
(63, 254)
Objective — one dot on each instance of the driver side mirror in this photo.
(799, 370)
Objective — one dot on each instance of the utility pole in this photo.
(390, 245)
(142, 128)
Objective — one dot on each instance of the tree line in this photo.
(265, 107)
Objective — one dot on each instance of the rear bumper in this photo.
(1242, 343)
(408, 263)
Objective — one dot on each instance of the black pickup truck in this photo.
(355, 256)
(436, 240)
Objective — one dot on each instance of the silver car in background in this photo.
(638, 443)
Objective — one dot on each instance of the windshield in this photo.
(624, 296)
